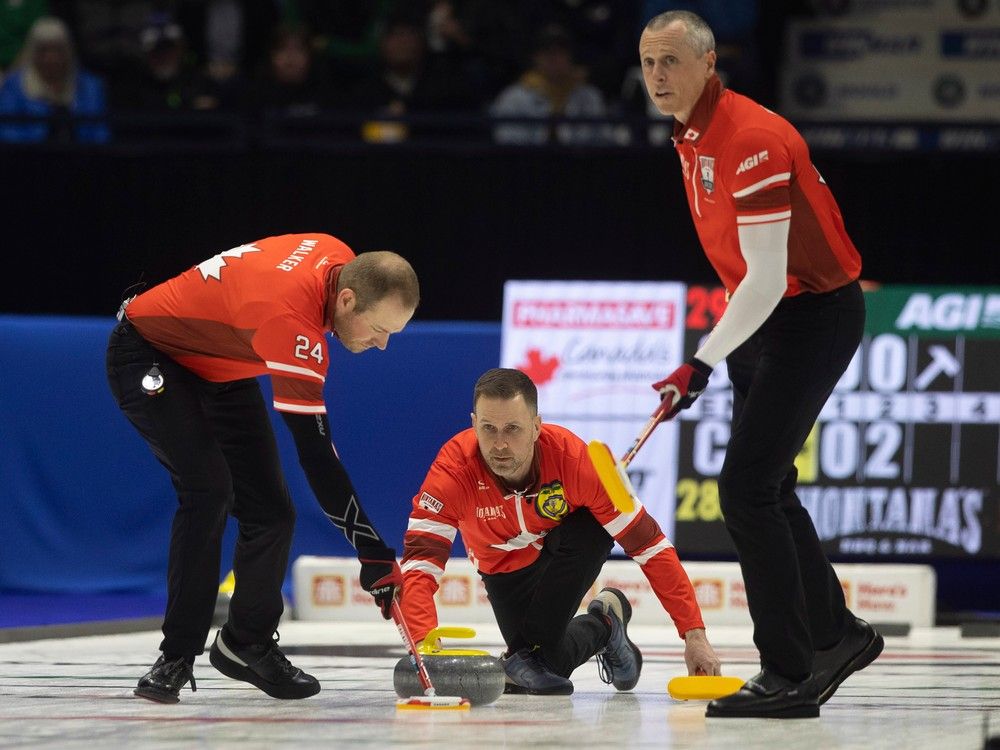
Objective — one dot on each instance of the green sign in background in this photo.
(930, 312)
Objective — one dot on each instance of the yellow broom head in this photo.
(433, 703)
(702, 687)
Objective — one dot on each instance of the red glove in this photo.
(681, 387)
(381, 576)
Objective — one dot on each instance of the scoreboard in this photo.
(904, 460)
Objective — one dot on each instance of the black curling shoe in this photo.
(164, 681)
(769, 696)
(263, 666)
(857, 649)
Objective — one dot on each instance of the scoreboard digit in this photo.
(904, 459)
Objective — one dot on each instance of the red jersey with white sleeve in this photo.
(504, 530)
(745, 165)
(253, 310)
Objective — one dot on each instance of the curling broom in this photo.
(429, 701)
(612, 473)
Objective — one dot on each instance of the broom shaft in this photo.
(654, 419)
(411, 646)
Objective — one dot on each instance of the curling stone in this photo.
(468, 673)
(226, 588)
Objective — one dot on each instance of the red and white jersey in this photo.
(504, 530)
(743, 165)
(253, 310)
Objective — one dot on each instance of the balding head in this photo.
(379, 274)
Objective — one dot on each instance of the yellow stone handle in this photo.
(429, 644)
(449, 632)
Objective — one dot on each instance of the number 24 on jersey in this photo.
(304, 349)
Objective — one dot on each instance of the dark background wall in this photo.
(80, 226)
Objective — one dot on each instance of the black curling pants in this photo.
(782, 377)
(535, 606)
(216, 441)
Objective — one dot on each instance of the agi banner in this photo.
(904, 460)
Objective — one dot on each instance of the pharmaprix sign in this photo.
(593, 349)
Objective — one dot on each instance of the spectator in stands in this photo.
(406, 80)
(166, 80)
(223, 27)
(15, 20)
(51, 87)
(348, 34)
(110, 33)
(602, 30)
(290, 84)
(107, 33)
(345, 33)
(480, 39)
(553, 87)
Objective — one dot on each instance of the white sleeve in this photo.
(765, 250)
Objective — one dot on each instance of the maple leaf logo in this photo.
(214, 265)
(540, 370)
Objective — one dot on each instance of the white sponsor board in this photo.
(327, 588)
(953, 92)
(593, 349)
(897, 11)
(899, 44)
(916, 68)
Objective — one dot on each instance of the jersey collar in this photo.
(701, 116)
(332, 276)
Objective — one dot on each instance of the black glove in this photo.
(381, 576)
(683, 386)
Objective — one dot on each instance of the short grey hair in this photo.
(699, 34)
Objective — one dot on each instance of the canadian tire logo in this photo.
(708, 592)
(328, 591)
(455, 591)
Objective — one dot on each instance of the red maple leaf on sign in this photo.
(538, 369)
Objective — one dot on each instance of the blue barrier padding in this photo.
(29, 610)
(86, 507)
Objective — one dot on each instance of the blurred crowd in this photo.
(67, 64)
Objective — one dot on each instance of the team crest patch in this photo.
(707, 164)
(428, 502)
(551, 503)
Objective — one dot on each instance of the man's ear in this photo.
(346, 299)
(711, 57)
